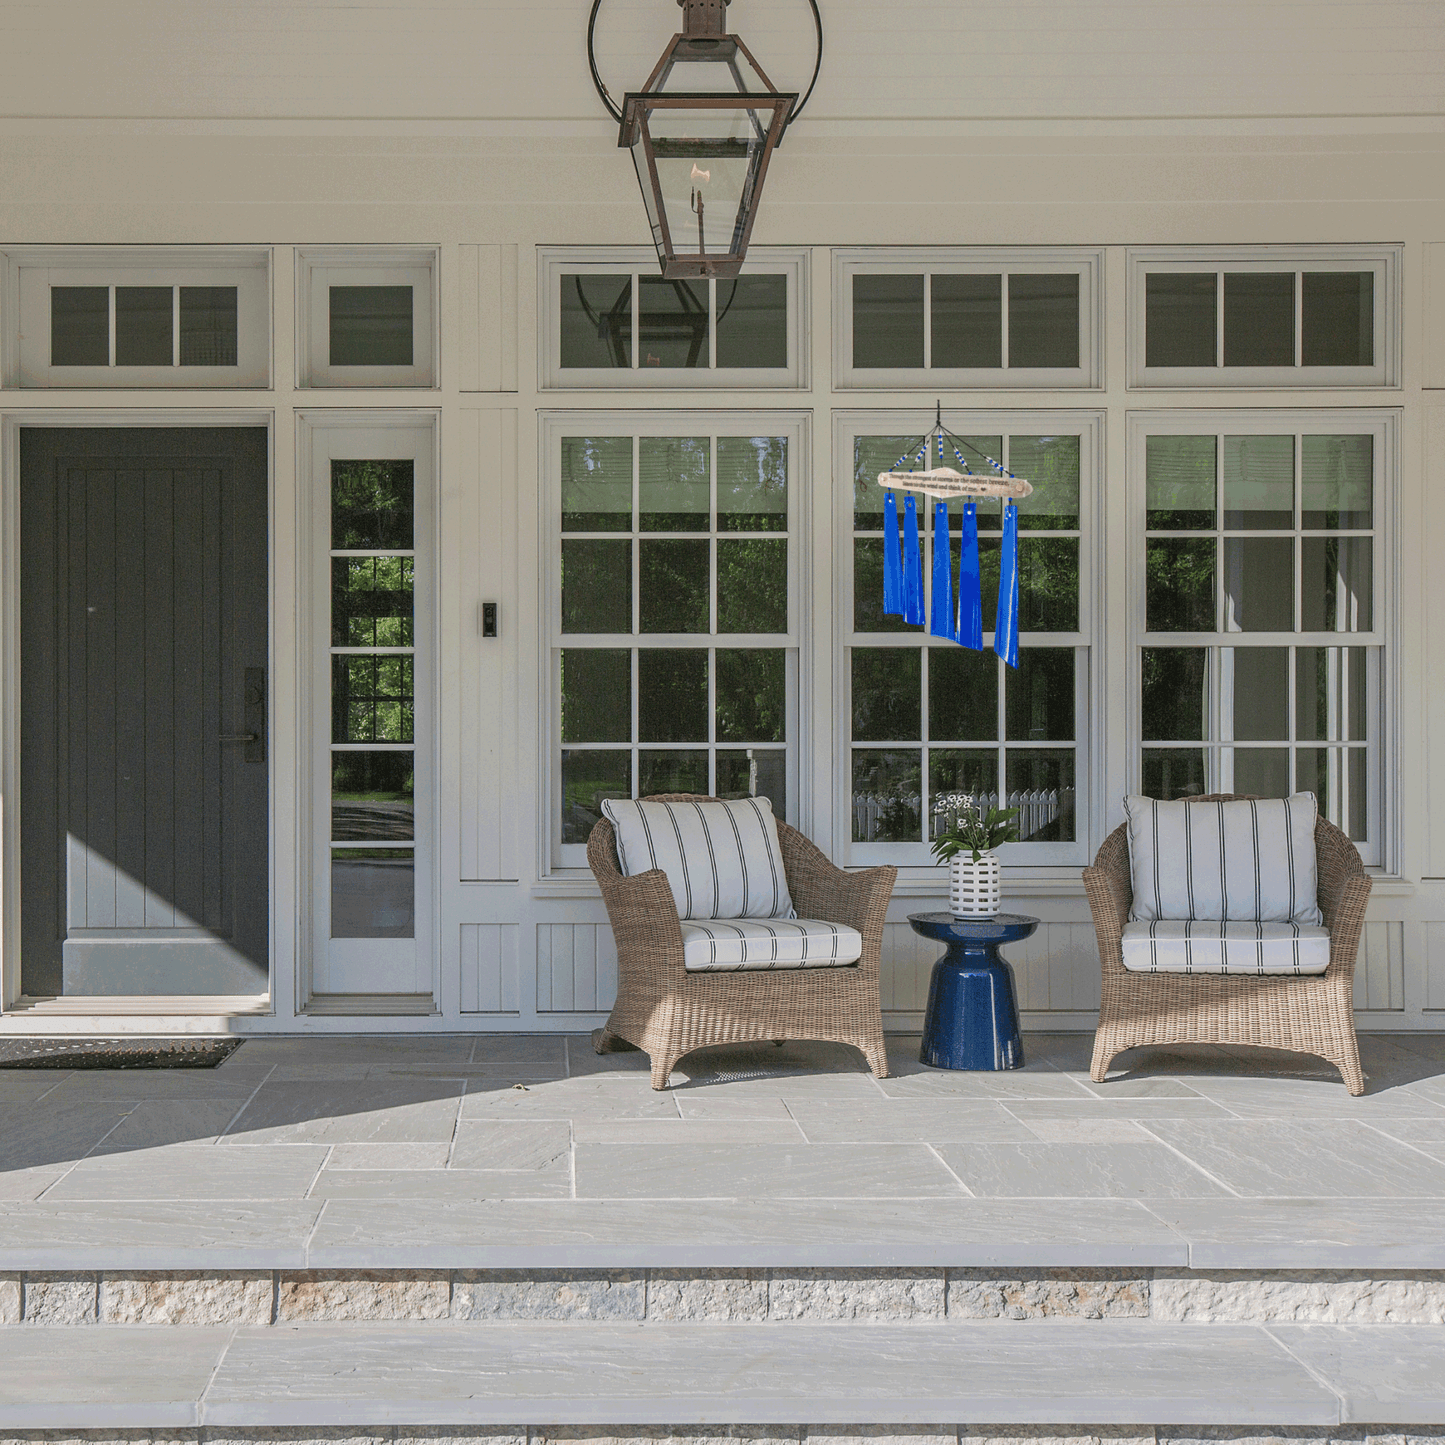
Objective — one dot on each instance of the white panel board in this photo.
(487, 344)
(479, 544)
(489, 967)
(1380, 966)
(907, 965)
(1435, 965)
(576, 967)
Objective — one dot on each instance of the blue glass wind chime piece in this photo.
(903, 568)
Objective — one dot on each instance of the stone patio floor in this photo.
(528, 1151)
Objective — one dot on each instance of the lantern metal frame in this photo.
(704, 37)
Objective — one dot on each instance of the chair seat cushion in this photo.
(1167, 945)
(721, 945)
(1246, 860)
(722, 859)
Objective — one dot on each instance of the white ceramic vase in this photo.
(974, 889)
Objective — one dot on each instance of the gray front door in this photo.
(143, 711)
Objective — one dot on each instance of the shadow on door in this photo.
(143, 711)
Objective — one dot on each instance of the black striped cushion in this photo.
(1209, 946)
(722, 946)
(1251, 860)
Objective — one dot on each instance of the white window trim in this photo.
(980, 260)
(319, 267)
(1021, 860)
(555, 261)
(1383, 260)
(29, 274)
(1382, 851)
(406, 966)
(558, 860)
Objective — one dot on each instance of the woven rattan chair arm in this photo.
(646, 928)
(643, 915)
(820, 889)
(1109, 896)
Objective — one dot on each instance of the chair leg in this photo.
(1349, 1066)
(604, 1041)
(876, 1055)
(1103, 1057)
(662, 1069)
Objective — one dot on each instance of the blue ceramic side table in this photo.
(972, 1020)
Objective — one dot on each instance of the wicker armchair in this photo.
(1309, 1014)
(667, 1011)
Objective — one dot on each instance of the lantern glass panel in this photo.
(705, 159)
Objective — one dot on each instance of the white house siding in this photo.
(474, 128)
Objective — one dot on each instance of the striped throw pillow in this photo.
(1251, 860)
(721, 858)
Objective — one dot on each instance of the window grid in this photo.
(1013, 264)
(1336, 756)
(1039, 813)
(1382, 263)
(769, 757)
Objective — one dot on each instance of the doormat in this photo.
(115, 1053)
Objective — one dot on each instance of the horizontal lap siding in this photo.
(1052, 58)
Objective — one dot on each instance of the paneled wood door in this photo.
(143, 711)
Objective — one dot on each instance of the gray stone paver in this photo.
(267, 1172)
(620, 1372)
(111, 1378)
(1394, 1375)
(400, 1138)
(761, 1171)
(622, 1234)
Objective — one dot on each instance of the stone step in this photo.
(508, 1376)
(488, 1233)
(781, 1298)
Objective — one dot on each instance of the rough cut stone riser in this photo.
(745, 1434)
(262, 1297)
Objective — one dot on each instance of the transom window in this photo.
(934, 724)
(1262, 644)
(675, 617)
(141, 319)
(1264, 317)
(367, 316)
(616, 323)
(966, 318)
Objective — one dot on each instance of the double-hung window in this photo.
(933, 724)
(1261, 607)
(674, 610)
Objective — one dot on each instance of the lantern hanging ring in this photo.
(615, 111)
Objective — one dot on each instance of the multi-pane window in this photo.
(619, 324)
(373, 699)
(675, 633)
(148, 320)
(1262, 648)
(1238, 318)
(934, 724)
(371, 661)
(967, 318)
(367, 316)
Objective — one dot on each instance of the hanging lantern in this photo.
(702, 131)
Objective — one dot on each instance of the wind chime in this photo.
(903, 567)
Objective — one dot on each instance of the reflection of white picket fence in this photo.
(1037, 809)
